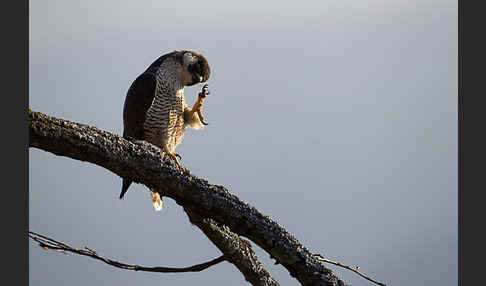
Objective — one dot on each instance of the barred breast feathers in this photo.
(169, 115)
(166, 104)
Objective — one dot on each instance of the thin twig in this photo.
(51, 244)
(355, 269)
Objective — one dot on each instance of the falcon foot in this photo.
(174, 157)
(197, 106)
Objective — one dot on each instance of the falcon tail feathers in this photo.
(156, 200)
(125, 185)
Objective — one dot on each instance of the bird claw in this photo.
(201, 117)
(204, 92)
(174, 157)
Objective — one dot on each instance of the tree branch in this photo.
(237, 250)
(355, 269)
(144, 163)
(51, 244)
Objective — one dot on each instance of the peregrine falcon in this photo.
(155, 109)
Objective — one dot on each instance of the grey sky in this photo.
(336, 118)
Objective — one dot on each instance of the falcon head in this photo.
(195, 68)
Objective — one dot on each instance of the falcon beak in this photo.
(201, 79)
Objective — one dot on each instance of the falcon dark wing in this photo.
(139, 97)
(137, 102)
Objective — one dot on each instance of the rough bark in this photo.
(237, 250)
(143, 163)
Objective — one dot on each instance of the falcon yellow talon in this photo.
(174, 157)
(201, 117)
(197, 106)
